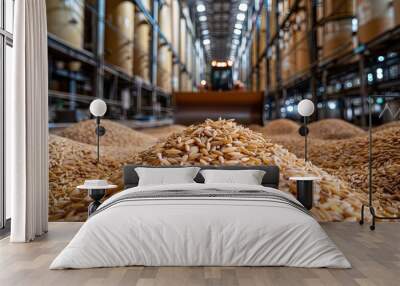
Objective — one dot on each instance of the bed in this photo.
(197, 224)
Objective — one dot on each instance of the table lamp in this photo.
(305, 109)
(98, 108)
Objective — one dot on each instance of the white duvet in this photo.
(200, 231)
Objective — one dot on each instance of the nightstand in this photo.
(96, 190)
(305, 189)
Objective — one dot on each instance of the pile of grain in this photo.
(162, 132)
(223, 142)
(391, 124)
(70, 164)
(326, 129)
(348, 159)
(332, 129)
(116, 134)
(294, 143)
(256, 127)
(277, 127)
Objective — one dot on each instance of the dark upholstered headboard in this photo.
(271, 177)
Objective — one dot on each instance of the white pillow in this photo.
(248, 177)
(166, 176)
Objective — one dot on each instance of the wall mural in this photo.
(337, 57)
(337, 153)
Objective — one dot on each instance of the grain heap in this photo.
(256, 127)
(326, 129)
(295, 143)
(116, 134)
(320, 132)
(346, 156)
(70, 164)
(223, 142)
(277, 127)
(348, 159)
(73, 159)
(391, 124)
(283, 132)
(334, 129)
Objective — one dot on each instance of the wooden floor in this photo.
(375, 257)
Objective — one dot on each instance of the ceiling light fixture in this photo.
(206, 42)
(201, 8)
(240, 17)
(205, 32)
(238, 26)
(243, 7)
(235, 41)
(203, 18)
(237, 32)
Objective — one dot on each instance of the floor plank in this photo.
(375, 257)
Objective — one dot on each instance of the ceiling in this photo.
(216, 24)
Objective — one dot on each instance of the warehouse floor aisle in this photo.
(375, 257)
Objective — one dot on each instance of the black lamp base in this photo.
(374, 216)
(305, 193)
(96, 196)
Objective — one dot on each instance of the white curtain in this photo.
(27, 124)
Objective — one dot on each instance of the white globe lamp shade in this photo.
(305, 107)
(98, 107)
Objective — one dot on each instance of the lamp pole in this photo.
(100, 131)
(305, 109)
(305, 139)
(98, 108)
(98, 138)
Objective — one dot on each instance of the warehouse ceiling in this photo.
(219, 24)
